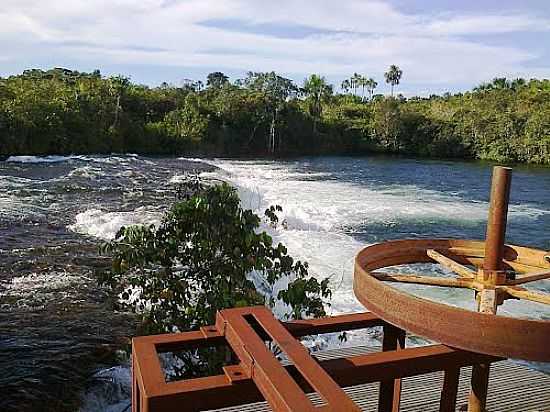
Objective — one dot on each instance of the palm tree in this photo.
(371, 85)
(518, 83)
(483, 87)
(345, 85)
(362, 83)
(501, 83)
(355, 80)
(393, 76)
(317, 90)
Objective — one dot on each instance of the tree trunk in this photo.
(117, 108)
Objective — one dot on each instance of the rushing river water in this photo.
(57, 327)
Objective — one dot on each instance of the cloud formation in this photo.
(294, 38)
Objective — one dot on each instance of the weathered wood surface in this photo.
(512, 388)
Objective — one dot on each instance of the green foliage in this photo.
(393, 76)
(317, 92)
(207, 255)
(62, 111)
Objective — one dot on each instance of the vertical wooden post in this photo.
(496, 224)
(389, 397)
(478, 392)
(492, 273)
(135, 388)
(449, 391)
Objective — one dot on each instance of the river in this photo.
(58, 328)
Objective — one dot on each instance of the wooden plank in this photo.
(275, 383)
(209, 336)
(522, 293)
(337, 323)
(456, 267)
(423, 280)
(310, 369)
(512, 388)
(530, 277)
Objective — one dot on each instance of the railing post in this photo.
(449, 391)
(389, 397)
(492, 273)
(136, 401)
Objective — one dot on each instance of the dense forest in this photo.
(60, 111)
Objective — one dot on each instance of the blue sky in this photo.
(441, 45)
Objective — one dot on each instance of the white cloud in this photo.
(355, 35)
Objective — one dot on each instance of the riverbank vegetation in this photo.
(61, 111)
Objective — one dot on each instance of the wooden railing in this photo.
(258, 375)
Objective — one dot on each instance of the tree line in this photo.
(61, 111)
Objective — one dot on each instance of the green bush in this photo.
(207, 254)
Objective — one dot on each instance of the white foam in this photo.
(193, 159)
(105, 225)
(112, 159)
(39, 159)
(15, 207)
(112, 393)
(317, 211)
(34, 290)
(330, 204)
(88, 172)
(27, 285)
(178, 179)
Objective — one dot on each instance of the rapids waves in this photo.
(54, 210)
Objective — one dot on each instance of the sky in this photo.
(441, 45)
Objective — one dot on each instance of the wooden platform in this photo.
(512, 387)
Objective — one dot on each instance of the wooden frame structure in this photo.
(259, 375)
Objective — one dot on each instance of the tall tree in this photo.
(118, 86)
(355, 80)
(518, 83)
(362, 83)
(317, 91)
(371, 85)
(216, 80)
(393, 76)
(345, 86)
(277, 91)
(501, 83)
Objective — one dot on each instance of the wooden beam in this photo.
(277, 386)
(423, 280)
(488, 301)
(530, 277)
(456, 267)
(389, 397)
(522, 293)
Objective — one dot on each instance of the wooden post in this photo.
(449, 391)
(498, 216)
(389, 397)
(492, 273)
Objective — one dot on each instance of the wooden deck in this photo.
(512, 387)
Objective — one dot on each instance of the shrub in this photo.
(207, 254)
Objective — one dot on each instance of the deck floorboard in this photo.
(512, 388)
